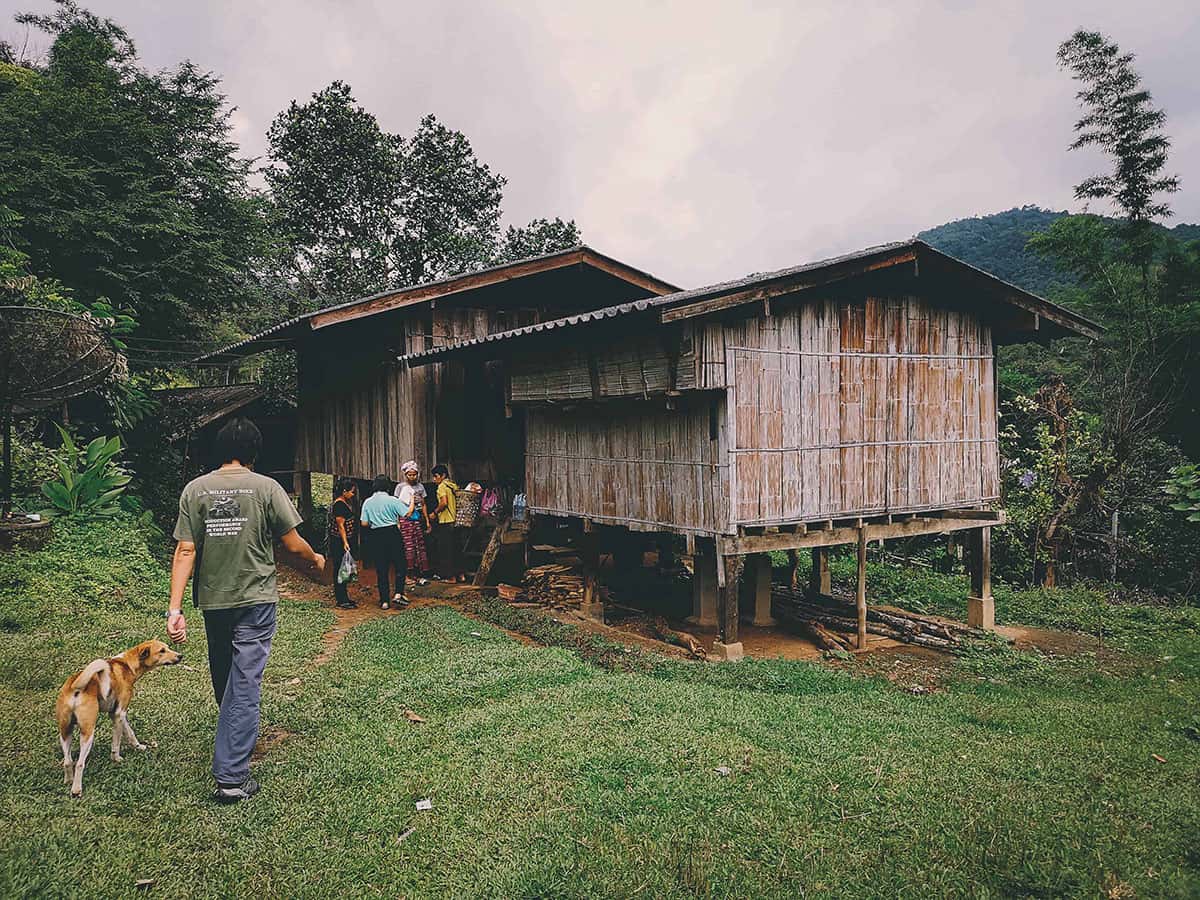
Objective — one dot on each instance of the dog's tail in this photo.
(97, 667)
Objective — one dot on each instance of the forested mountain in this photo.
(996, 243)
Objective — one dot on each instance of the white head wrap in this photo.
(411, 465)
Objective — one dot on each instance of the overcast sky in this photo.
(699, 140)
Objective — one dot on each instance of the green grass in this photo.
(579, 769)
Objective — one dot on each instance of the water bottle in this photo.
(519, 508)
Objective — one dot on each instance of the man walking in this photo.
(225, 537)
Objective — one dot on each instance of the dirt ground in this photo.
(918, 669)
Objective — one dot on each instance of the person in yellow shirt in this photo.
(446, 534)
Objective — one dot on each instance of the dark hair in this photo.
(441, 470)
(381, 483)
(238, 439)
(342, 485)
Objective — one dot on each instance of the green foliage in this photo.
(127, 182)
(364, 210)
(538, 238)
(1184, 487)
(1119, 120)
(1043, 762)
(361, 210)
(33, 464)
(90, 481)
(996, 244)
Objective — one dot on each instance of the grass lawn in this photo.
(554, 772)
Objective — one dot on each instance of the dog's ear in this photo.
(144, 654)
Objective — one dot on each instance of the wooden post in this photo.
(704, 585)
(981, 608)
(821, 583)
(860, 597)
(589, 555)
(304, 501)
(727, 646)
(761, 583)
(489, 555)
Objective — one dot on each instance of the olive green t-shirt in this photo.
(234, 516)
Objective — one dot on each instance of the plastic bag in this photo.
(348, 570)
(491, 502)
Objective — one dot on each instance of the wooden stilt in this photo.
(860, 597)
(821, 583)
(704, 586)
(589, 554)
(761, 584)
(981, 608)
(727, 645)
(794, 569)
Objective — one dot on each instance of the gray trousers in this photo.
(239, 642)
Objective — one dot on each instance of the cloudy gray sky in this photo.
(703, 140)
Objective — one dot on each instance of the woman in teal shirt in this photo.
(380, 519)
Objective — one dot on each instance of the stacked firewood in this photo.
(834, 624)
(554, 585)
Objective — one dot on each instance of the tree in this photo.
(362, 210)
(1135, 280)
(1120, 120)
(335, 182)
(450, 206)
(128, 185)
(538, 238)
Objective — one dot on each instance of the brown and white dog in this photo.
(104, 685)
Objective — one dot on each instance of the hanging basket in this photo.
(466, 508)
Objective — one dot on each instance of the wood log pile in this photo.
(834, 624)
(554, 585)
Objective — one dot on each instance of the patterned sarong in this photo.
(414, 546)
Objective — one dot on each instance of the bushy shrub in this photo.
(89, 479)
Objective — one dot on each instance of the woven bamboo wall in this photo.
(361, 414)
(844, 407)
(633, 366)
(635, 464)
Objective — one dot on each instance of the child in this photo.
(446, 536)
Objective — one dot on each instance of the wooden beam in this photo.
(489, 555)
(421, 293)
(626, 273)
(983, 515)
(594, 373)
(787, 285)
(727, 615)
(860, 595)
(1010, 294)
(764, 543)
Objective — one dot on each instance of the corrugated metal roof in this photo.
(682, 298)
(676, 299)
(425, 285)
(207, 404)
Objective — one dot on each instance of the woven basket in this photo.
(466, 508)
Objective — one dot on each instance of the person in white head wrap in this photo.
(414, 525)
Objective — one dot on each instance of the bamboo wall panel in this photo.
(636, 366)
(636, 464)
(846, 407)
(365, 420)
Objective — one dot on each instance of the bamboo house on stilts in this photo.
(840, 402)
